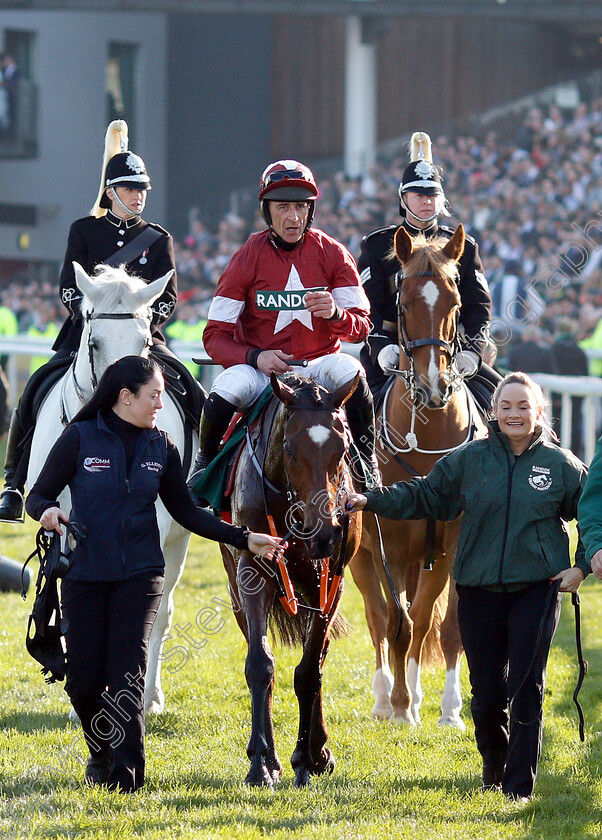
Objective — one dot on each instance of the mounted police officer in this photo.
(421, 203)
(115, 234)
(290, 293)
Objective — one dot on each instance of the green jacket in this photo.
(590, 506)
(512, 531)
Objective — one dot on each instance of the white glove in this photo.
(466, 362)
(388, 357)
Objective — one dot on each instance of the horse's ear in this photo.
(84, 284)
(455, 247)
(403, 244)
(341, 395)
(284, 393)
(150, 293)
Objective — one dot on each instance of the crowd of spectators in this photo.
(534, 204)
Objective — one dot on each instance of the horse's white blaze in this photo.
(318, 434)
(433, 373)
(430, 293)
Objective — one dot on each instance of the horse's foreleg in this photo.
(430, 586)
(256, 599)
(375, 609)
(451, 645)
(399, 633)
(311, 757)
(175, 557)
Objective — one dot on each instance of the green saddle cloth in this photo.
(211, 484)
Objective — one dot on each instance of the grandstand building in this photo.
(213, 89)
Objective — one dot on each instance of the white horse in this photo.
(117, 320)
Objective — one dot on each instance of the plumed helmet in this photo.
(120, 167)
(421, 175)
(127, 170)
(287, 180)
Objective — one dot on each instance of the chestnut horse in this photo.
(288, 480)
(427, 411)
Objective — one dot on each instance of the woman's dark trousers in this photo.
(107, 637)
(507, 637)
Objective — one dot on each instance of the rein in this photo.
(583, 663)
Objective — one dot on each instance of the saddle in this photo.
(215, 484)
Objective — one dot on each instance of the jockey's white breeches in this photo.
(242, 384)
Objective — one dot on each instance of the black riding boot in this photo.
(217, 413)
(360, 416)
(11, 499)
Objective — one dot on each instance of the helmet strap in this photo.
(127, 210)
(414, 216)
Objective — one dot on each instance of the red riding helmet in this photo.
(287, 180)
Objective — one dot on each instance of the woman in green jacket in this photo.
(515, 489)
(590, 513)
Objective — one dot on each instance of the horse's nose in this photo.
(322, 543)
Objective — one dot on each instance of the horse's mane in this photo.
(114, 288)
(427, 255)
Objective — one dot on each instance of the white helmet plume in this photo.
(116, 140)
(420, 147)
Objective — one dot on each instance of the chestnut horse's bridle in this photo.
(407, 345)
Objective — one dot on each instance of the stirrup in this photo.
(11, 506)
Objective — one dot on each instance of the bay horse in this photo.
(117, 322)
(427, 412)
(288, 480)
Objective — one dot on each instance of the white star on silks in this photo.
(287, 316)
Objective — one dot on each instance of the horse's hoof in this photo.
(382, 711)
(154, 707)
(274, 772)
(403, 717)
(302, 777)
(416, 715)
(259, 776)
(325, 764)
(453, 721)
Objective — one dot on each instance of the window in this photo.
(120, 74)
(18, 95)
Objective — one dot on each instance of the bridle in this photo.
(109, 316)
(82, 395)
(284, 586)
(407, 345)
(409, 378)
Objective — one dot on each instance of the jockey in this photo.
(421, 202)
(114, 233)
(291, 293)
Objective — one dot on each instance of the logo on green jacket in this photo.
(285, 300)
(540, 478)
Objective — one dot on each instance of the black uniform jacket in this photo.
(91, 242)
(378, 266)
